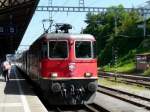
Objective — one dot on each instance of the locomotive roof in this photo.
(68, 36)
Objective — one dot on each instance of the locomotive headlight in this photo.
(87, 74)
(72, 66)
(54, 75)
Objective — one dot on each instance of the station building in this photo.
(143, 61)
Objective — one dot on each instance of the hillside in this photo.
(118, 38)
(127, 63)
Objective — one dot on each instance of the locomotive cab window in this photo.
(83, 49)
(58, 49)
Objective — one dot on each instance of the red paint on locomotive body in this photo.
(54, 66)
(62, 66)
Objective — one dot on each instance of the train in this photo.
(64, 66)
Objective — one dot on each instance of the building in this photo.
(142, 61)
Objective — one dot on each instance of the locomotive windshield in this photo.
(58, 49)
(84, 49)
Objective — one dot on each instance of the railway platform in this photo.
(17, 96)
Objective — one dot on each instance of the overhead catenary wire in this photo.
(91, 3)
(51, 16)
(65, 2)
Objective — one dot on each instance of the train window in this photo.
(44, 50)
(83, 49)
(58, 49)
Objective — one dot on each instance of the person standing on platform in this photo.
(1, 68)
(6, 70)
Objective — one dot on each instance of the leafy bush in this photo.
(144, 46)
(147, 72)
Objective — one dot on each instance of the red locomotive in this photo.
(64, 66)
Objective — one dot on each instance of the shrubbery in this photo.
(147, 72)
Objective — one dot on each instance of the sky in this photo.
(76, 19)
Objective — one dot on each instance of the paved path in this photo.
(17, 96)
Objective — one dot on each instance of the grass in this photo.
(126, 68)
(126, 63)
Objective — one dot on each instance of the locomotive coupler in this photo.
(80, 91)
(64, 91)
(72, 90)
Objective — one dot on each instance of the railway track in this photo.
(125, 96)
(95, 108)
(82, 108)
(139, 80)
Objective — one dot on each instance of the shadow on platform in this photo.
(17, 85)
(2, 80)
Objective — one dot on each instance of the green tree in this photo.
(115, 29)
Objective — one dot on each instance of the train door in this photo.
(26, 66)
(38, 59)
(43, 56)
(28, 63)
(44, 50)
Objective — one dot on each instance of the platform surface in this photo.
(17, 96)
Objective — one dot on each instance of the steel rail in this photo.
(95, 108)
(125, 96)
(125, 76)
(58, 109)
(140, 80)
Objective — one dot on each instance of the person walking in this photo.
(6, 70)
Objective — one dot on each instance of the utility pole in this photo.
(50, 3)
(116, 58)
(81, 3)
(144, 28)
(49, 19)
(144, 14)
(115, 25)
